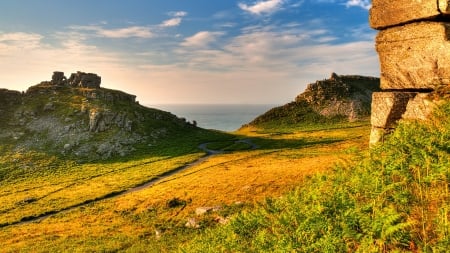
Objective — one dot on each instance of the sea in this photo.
(224, 117)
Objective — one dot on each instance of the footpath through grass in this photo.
(154, 219)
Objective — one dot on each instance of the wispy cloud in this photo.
(201, 39)
(262, 7)
(119, 33)
(19, 40)
(176, 19)
(365, 4)
(171, 22)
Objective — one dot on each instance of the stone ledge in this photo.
(389, 13)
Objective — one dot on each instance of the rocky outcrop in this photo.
(339, 98)
(79, 80)
(58, 78)
(100, 121)
(80, 122)
(85, 80)
(348, 96)
(414, 50)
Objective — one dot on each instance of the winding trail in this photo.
(151, 182)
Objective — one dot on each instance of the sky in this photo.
(188, 51)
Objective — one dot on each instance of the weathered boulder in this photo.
(415, 56)
(420, 108)
(388, 13)
(85, 80)
(388, 108)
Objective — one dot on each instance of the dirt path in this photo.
(153, 181)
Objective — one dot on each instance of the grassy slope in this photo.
(396, 199)
(235, 181)
(301, 114)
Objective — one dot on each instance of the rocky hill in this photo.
(76, 117)
(339, 98)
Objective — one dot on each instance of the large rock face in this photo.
(414, 50)
(415, 56)
(389, 13)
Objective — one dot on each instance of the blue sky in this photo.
(188, 51)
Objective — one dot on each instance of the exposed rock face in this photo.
(388, 13)
(100, 121)
(414, 50)
(415, 56)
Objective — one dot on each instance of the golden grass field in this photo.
(141, 221)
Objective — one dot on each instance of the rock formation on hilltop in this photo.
(77, 118)
(346, 97)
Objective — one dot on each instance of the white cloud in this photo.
(365, 4)
(119, 33)
(176, 19)
(201, 39)
(172, 22)
(128, 32)
(262, 7)
(178, 13)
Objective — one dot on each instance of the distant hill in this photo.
(343, 98)
(75, 117)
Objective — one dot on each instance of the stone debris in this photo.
(192, 223)
(414, 50)
(204, 210)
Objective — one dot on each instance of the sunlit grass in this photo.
(141, 221)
